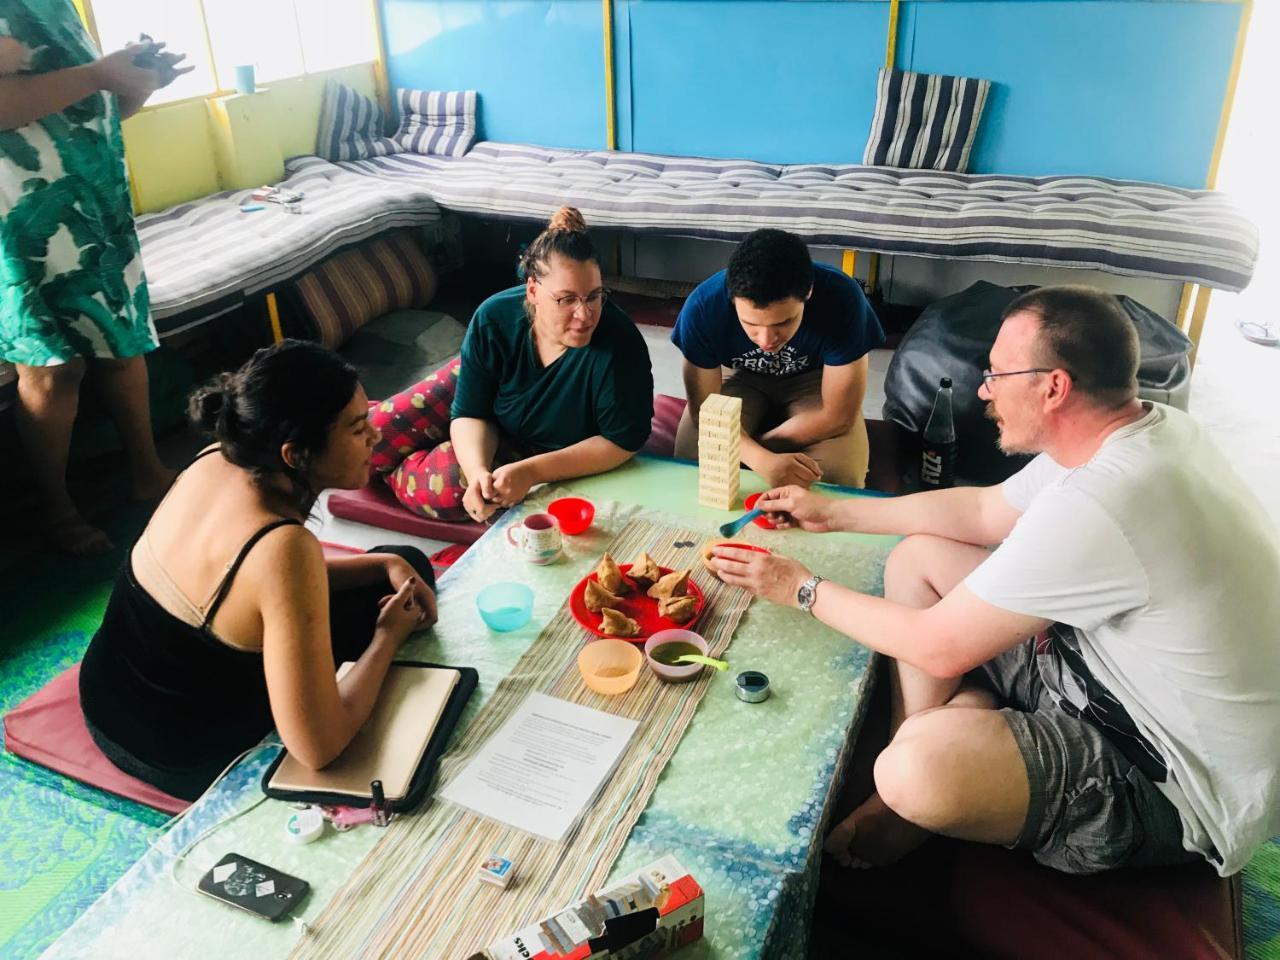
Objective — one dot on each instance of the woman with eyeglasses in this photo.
(554, 382)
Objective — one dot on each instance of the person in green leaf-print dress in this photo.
(72, 294)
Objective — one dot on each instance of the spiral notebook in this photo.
(399, 744)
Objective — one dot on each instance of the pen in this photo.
(381, 816)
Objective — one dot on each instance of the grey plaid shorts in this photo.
(1091, 807)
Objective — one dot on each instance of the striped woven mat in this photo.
(414, 894)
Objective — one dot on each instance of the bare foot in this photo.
(153, 484)
(74, 534)
(873, 836)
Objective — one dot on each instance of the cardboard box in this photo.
(647, 915)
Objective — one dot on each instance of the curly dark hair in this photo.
(292, 391)
(768, 266)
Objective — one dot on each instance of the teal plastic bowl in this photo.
(505, 606)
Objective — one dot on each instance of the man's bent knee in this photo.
(923, 568)
(906, 779)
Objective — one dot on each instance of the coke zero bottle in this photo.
(938, 456)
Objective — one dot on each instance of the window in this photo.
(281, 38)
(177, 22)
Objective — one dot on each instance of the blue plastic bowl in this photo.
(505, 606)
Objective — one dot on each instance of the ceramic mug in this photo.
(538, 537)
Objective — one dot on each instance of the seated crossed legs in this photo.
(768, 402)
(414, 454)
(993, 757)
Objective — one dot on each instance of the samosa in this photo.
(675, 584)
(678, 609)
(597, 598)
(645, 572)
(610, 576)
(617, 624)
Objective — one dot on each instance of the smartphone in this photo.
(252, 886)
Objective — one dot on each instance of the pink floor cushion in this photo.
(48, 728)
(377, 506)
(666, 417)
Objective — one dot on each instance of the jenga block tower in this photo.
(719, 451)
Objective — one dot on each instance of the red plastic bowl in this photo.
(763, 521)
(573, 513)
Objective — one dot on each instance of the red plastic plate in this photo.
(635, 604)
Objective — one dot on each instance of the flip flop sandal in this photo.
(1255, 332)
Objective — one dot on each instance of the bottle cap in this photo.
(944, 382)
(303, 826)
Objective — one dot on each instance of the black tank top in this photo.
(167, 695)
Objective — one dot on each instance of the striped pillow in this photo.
(351, 126)
(347, 291)
(438, 122)
(925, 121)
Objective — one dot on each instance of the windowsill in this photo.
(263, 87)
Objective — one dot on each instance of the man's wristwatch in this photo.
(808, 593)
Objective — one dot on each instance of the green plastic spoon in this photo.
(699, 658)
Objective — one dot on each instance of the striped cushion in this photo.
(436, 122)
(924, 121)
(350, 125)
(347, 291)
(1120, 226)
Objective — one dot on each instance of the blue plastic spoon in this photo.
(731, 529)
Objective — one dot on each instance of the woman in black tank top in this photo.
(172, 702)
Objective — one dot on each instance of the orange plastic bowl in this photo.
(573, 513)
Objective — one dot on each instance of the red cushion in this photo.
(48, 728)
(666, 417)
(979, 900)
(377, 506)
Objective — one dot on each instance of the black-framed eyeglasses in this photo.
(593, 300)
(988, 376)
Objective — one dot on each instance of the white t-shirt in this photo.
(1169, 570)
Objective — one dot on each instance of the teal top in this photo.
(602, 389)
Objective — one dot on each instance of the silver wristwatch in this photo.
(808, 593)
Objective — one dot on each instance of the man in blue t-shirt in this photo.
(795, 337)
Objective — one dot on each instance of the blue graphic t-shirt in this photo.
(838, 327)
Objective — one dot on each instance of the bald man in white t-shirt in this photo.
(1086, 658)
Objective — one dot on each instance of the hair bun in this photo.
(210, 403)
(568, 220)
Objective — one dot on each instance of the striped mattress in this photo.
(203, 257)
(1119, 226)
(200, 254)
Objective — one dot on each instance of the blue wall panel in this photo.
(1119, 89)
(776, 81)
(538, 64)
(1123, 88)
